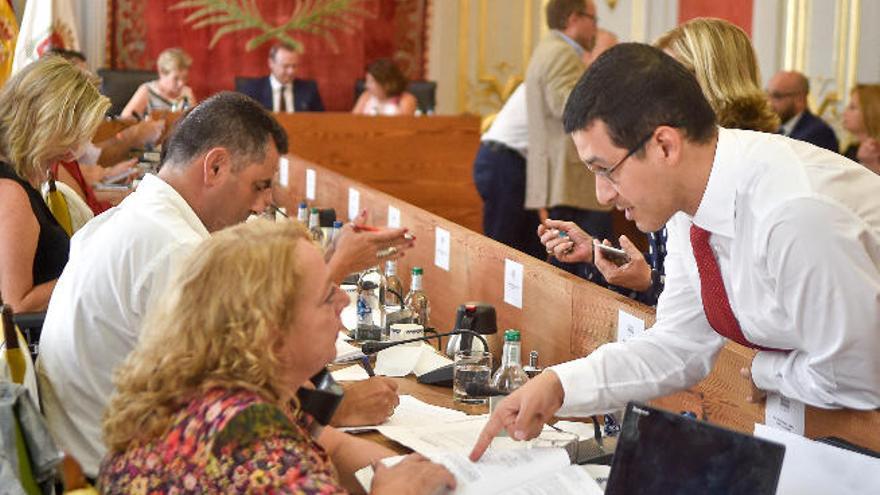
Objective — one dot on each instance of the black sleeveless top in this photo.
(53, 245)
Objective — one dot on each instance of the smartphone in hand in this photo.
(614, 255)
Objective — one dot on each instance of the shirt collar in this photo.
(151, 186)
(275, 83)
(716, 212)
(788, 126)
(574, 44)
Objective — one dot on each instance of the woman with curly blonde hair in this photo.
(721, 56)
(208, 398)
(49, 111)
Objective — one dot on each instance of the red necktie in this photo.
(716, 305)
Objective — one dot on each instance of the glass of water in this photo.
(472, 367)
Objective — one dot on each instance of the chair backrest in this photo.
(120, 84)
(424, 91)
(241, 82)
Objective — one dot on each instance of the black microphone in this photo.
(372, 346)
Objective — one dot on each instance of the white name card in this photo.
(513, 283)
(311, 181)
(441, 248)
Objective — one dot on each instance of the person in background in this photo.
(83, 172)
(212, 177)
(48, 112)
(281, 91)
(773, 243)
(787, 92)
(862, 119)
(169, 92)
(385, 91)
(721, 57)
(217, 411)
(554, 175)
(500, 177)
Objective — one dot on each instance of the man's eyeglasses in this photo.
(777, 95)
(588, 15)
(605, 173)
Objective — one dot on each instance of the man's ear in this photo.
(217, 165)
(669, 142)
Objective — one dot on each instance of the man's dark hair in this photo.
(66, 54)
(634, 88)
(558, 12)
(281, 46)
(229, 120)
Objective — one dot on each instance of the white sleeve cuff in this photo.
(765, 370)
(573, 375)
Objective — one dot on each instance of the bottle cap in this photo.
(303, 205)
(417, 270)
(315, 210)
(337, 224)
(511, 335)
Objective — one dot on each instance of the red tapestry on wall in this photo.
(139, 30)
(738, 12)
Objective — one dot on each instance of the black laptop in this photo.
(659, 452)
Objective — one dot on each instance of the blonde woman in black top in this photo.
(48, 112)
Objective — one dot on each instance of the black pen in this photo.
(365, 363)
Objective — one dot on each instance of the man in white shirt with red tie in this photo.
(773, 243)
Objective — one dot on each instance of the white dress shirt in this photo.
(788, 126)
(277, 88)
(118, 262)
(511, 125)
(796, 231)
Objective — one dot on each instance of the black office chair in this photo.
(31, 326)
(120, 84)
(424, 91)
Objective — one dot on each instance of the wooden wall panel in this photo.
(426, 161)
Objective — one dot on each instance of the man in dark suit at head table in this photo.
(788, 91)
(280, 91)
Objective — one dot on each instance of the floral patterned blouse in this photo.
(226, 441)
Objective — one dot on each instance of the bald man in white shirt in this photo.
(773, 243)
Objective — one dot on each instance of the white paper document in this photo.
(311, 181)
(353, 373)
(784, 413)
(412, 413)
(812, 467)
(402, 360)
(393, 217)
(442, 244)
(513, 283)
(518, 472)
(346, 351)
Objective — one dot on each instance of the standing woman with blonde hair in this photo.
(48, 112)
(169, 92)
(722, 58)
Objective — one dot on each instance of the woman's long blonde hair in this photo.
(46, 109)
(869, 104)
(219, 326)
(721, 56)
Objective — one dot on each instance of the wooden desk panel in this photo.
(563, 316)
(425, 161)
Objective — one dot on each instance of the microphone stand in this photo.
(372, 347)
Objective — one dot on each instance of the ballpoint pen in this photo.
(365, 363)
(370, 228)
